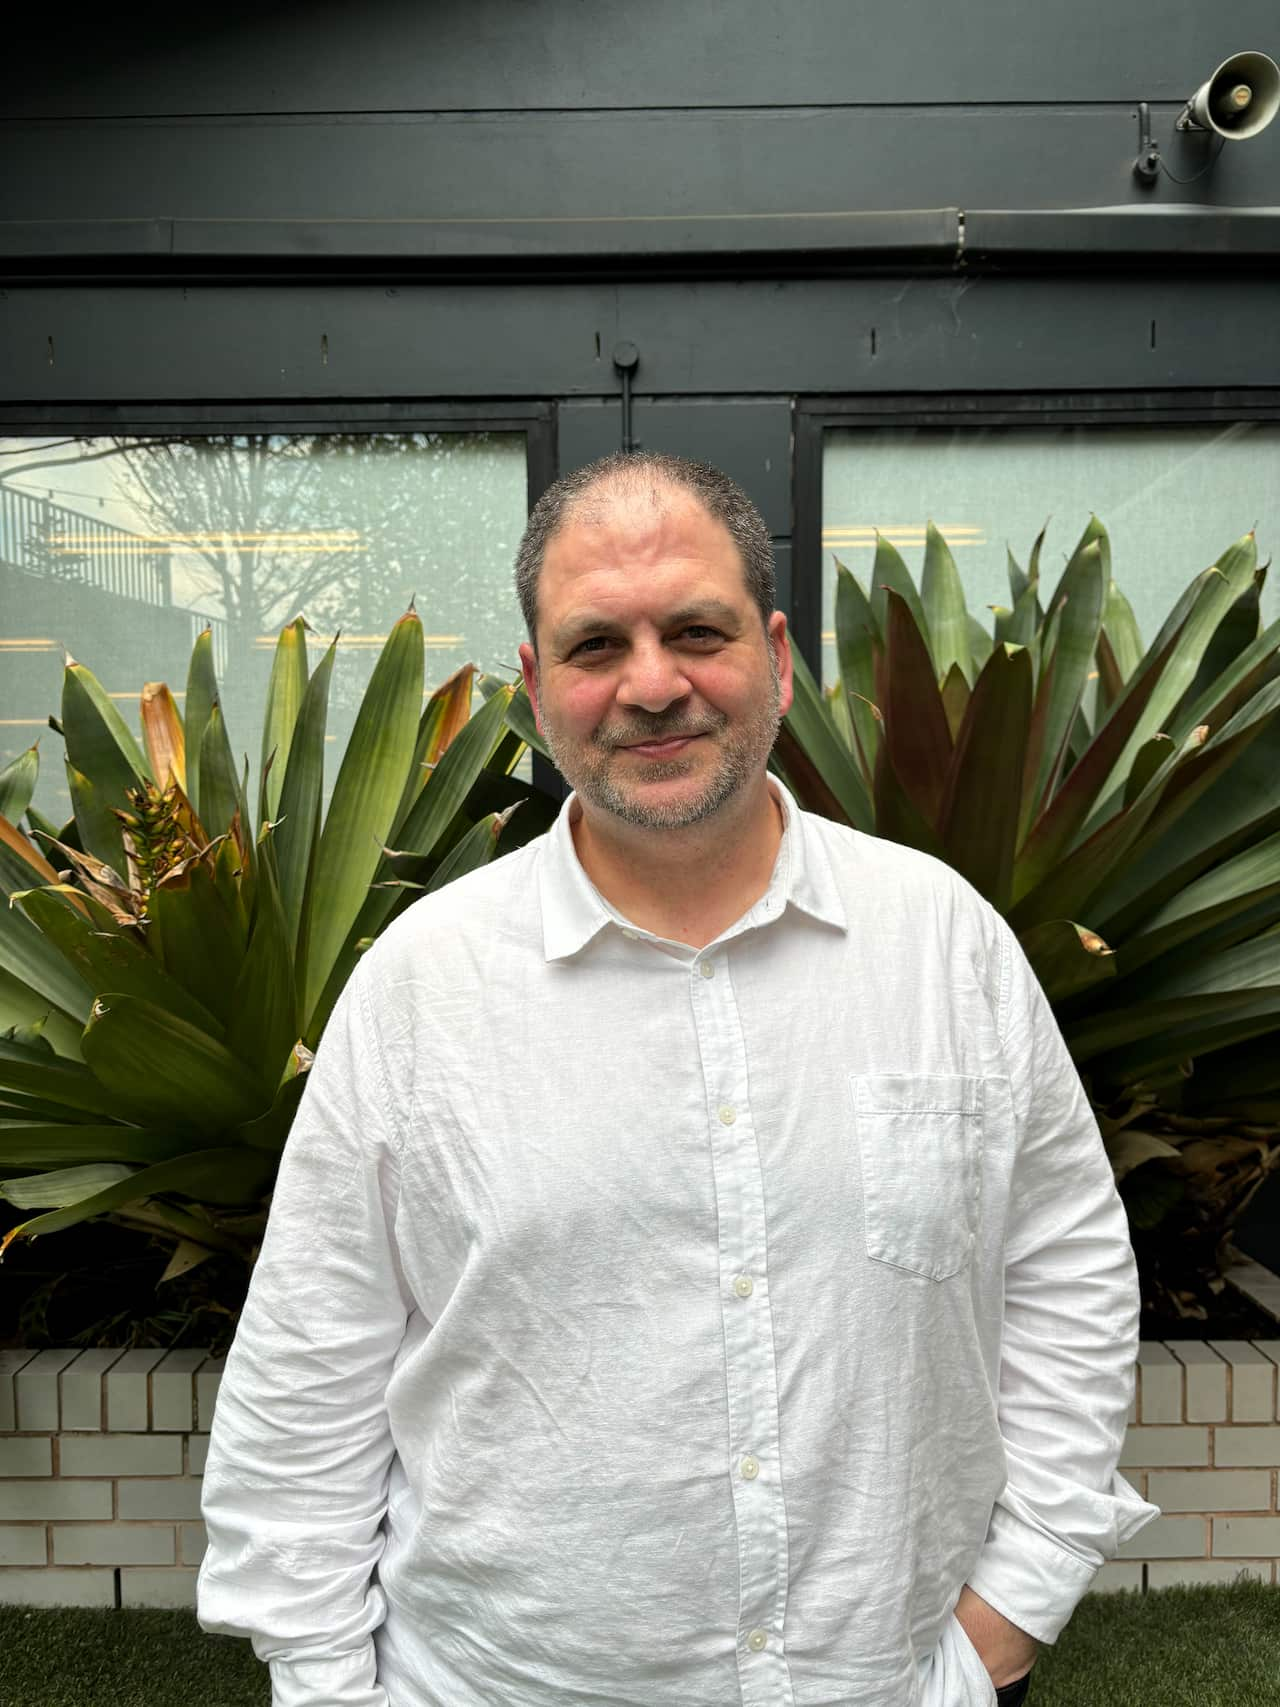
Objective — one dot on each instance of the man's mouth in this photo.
(664, 747)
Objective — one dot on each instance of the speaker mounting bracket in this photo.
(1146, 168)
(626, 359)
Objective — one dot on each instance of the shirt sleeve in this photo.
(1070, 1337)
(295, 1486)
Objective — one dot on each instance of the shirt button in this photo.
(756, 1640)
(744, 1286)
(728, 1115)
(750, 1468)
(707, 969)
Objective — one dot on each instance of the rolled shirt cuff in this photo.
(338, 1680)
(1037, 1583)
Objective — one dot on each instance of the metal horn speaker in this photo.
(1240, 99)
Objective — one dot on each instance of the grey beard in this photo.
(739, 760)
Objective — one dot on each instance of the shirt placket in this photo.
(750, 1366)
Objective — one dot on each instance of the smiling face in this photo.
(656, 685)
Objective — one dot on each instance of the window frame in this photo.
(536, 420)
(815, 413)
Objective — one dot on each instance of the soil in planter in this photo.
(96, 1285)
(1232, 1317)
(1184, 1295)
(1258, 1232)
(1181, 1265)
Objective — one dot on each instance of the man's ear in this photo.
(777, 637)
(529, 670)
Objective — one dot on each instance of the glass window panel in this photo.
(1171, 498)
(120, 550)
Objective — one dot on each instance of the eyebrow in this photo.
(704, 610)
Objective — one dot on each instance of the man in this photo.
(695, 1278)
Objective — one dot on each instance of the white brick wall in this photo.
(101, 1454)
(1204, 1445)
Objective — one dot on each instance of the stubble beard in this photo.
(590, 768)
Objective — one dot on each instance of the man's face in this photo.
(656, 687)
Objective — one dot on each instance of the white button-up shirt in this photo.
(643, 1326)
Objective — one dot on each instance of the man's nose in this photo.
(653, 678)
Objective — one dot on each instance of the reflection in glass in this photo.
(120, 550)
(1172, 499)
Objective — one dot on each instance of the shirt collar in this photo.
(573, 910)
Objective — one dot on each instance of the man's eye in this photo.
(596, 643)
(700, 631)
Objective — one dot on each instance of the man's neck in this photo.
(686, 885)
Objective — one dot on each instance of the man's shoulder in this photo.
(480, 908)
(898, 898)
(856, 856)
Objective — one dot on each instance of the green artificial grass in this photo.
(72, 1656)
(1175, 1647)
(1179, 1647)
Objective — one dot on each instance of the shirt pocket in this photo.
(919, 1139)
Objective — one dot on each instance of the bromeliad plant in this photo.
(188, 949)
(1121, 807)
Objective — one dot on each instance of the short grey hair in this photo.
(630, 471)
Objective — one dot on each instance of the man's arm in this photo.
(296, 1480)
(1069, 1343)
(1007, 1652)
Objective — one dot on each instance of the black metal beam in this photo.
(496, 248)
(1097, 237)
(498, 251)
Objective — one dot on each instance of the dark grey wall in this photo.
(472, 55)
(289, 208)
(504, 111)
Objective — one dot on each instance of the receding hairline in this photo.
(600, 489)
(615, 487)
